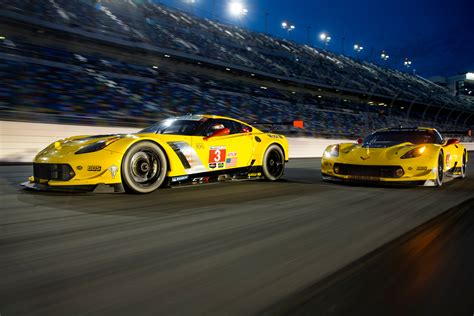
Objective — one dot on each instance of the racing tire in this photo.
(464, 165)
(440, 170)
(144, 167)
(273, 163)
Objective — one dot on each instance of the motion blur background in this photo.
(129, 63)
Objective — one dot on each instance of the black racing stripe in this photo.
(180, 155)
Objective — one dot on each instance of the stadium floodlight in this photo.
(325, 38)
(358, 48)
(288, 26)
(237, 9)
(384, 56)
(407, 63)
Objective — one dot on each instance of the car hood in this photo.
(368, 155)
(70, 145)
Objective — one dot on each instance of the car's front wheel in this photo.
(440, 170)
(144, 167)
(273, 163)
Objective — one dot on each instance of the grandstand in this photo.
(130, 63)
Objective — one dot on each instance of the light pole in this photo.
(384, 56)
(213, 13)
(266, 22)
(308, 35)
(191, 3)
(325, 38)
(342, 45)
(407, 63)
(358, 49)
(288, 26)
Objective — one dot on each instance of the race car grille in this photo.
(49, 171)
(368, 171)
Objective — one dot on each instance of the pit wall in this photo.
(19, 141)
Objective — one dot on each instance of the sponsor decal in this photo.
(231, 162)
(178, 179)
(232, 154)
(79, 167)
(364, 158)
(188, 157)
(220, 165)
(93, 168)
(212, 165)
(274, 136)
(113, 171)
(199, 146)
(217, 154)
(448, 160)
(201, 180)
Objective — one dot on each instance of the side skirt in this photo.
(245, 173)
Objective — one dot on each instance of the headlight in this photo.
(416, 152)
(332, 151)
(96, 146)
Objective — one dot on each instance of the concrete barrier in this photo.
(19, 141)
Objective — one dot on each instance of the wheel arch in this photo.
(285, 154)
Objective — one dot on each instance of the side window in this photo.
(439, 138)
(242, 128)
(234, 127)
(214, 125)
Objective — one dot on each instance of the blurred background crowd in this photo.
(131, 63)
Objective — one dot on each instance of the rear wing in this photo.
(296, 124)
(458, 133)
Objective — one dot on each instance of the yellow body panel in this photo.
(104, 166)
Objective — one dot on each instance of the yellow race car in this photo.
(182, 150)
(397, 155)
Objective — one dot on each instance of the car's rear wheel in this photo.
(144, 167)
(273, 163)
(464, 165)
(440, 170)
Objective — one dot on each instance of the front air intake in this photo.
(49, 171)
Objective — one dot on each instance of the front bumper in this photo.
(98, 188)
(377, 180)
(413, 173)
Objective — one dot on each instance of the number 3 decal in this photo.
(217, 154)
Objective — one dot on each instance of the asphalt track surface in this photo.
(297, 246)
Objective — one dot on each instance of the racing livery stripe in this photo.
(188, 157)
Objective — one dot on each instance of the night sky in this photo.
(438, 36)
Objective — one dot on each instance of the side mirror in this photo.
(219, 132)
(359, 141)
(452, 141)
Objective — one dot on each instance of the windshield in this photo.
(391, 138)
(175, 127)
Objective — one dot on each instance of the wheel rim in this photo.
(275, 163)
(144, 167)
(440, 168)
